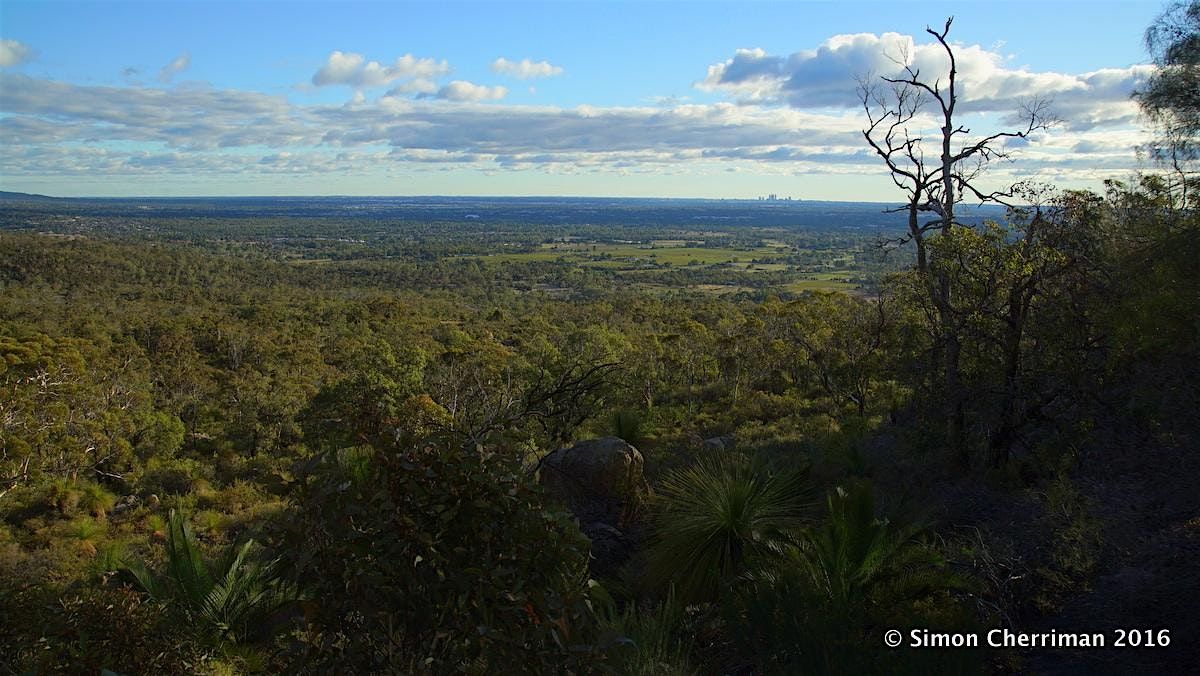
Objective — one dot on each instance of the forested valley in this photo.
(237, 440)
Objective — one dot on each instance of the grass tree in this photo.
(721, 517)
(814, 610)
(857, 562)
(233, 601)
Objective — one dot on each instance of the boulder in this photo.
(601, 482)
(724, 442)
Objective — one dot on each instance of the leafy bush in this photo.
(210, 522)
(83, 528)
(156, 524)
(64, 495)
(162, 436)
(95, 499)
(169, 476)
(1073, 551)
(88, 629)
(439, 559)
(858, 562)
(110, 556)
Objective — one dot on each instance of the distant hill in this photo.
(26, 197)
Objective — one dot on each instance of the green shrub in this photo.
(162, 436)
(23, 503)
(63, 495)
(355, 463)
(204, 494)
(156, 524)
(439, 559)
(89, 629)
(110, 557)
(240, 495)
(84, 528)
(210, 521)
(171, 476)
(1073, 550)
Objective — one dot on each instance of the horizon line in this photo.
(794, 200)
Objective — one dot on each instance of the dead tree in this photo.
(933, 186)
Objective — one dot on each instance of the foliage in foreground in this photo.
(651, 641)
(439, 559)
(238, 599)
(824, 608)
(85, 628)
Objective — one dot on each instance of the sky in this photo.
(663, 99)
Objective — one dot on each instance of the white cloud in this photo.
(525, 69)
(826, 77)
(176, 66)
(52, 128)
(191, 117)
(13, 53)
(415, 86)
(461, 90)
(351, 69)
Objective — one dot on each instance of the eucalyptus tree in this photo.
(1171, 97)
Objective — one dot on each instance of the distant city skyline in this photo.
(669, 99)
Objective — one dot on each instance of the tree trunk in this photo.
(955, 411)
(1001, 441)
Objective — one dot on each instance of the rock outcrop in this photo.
(601, 482)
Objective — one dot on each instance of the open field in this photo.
(638, 263)
(528, 246)
(656, 253)
(802, 285)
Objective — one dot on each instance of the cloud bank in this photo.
(796, 114)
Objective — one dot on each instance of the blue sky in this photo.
(647, 99)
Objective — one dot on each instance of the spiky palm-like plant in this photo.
(230, 603)
(96, 500)
(812, 612)
(721, 516)
(859, 562)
